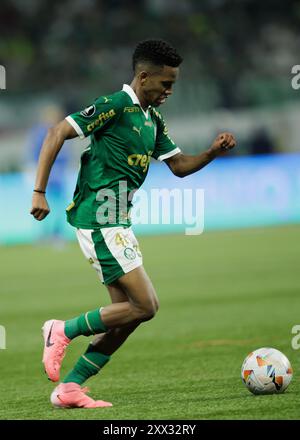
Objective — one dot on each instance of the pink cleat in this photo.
(54, 348)
(71, 395)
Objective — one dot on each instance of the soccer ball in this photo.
(266, 371)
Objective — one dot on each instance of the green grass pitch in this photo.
(222, 295)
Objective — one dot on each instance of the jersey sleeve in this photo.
(98, 116)
(165, 147)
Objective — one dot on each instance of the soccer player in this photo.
(126, 130)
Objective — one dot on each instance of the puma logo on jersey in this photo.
(138, 130)
(106, 99)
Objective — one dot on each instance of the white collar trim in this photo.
(135, 100)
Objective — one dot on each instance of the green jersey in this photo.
(124, 137)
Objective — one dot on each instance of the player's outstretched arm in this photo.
(52, 144)
(182, 165)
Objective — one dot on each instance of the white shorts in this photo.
(111, 251)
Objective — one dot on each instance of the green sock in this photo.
(87, 324)
(88, 364)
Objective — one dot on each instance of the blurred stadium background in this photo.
(236, 76)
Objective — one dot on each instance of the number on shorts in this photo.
(121, 240)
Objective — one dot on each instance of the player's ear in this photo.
(143, 76)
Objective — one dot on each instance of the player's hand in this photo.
(223, 143)
(40, 208)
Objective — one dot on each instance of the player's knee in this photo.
(151, 311)
(146, 311)
(152, 307)
(156, 304)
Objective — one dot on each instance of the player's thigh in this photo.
(112, 251)
(116, 293)
(139, 289)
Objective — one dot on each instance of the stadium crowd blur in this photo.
(236, 73)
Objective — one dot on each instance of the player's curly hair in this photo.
(158, 52)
